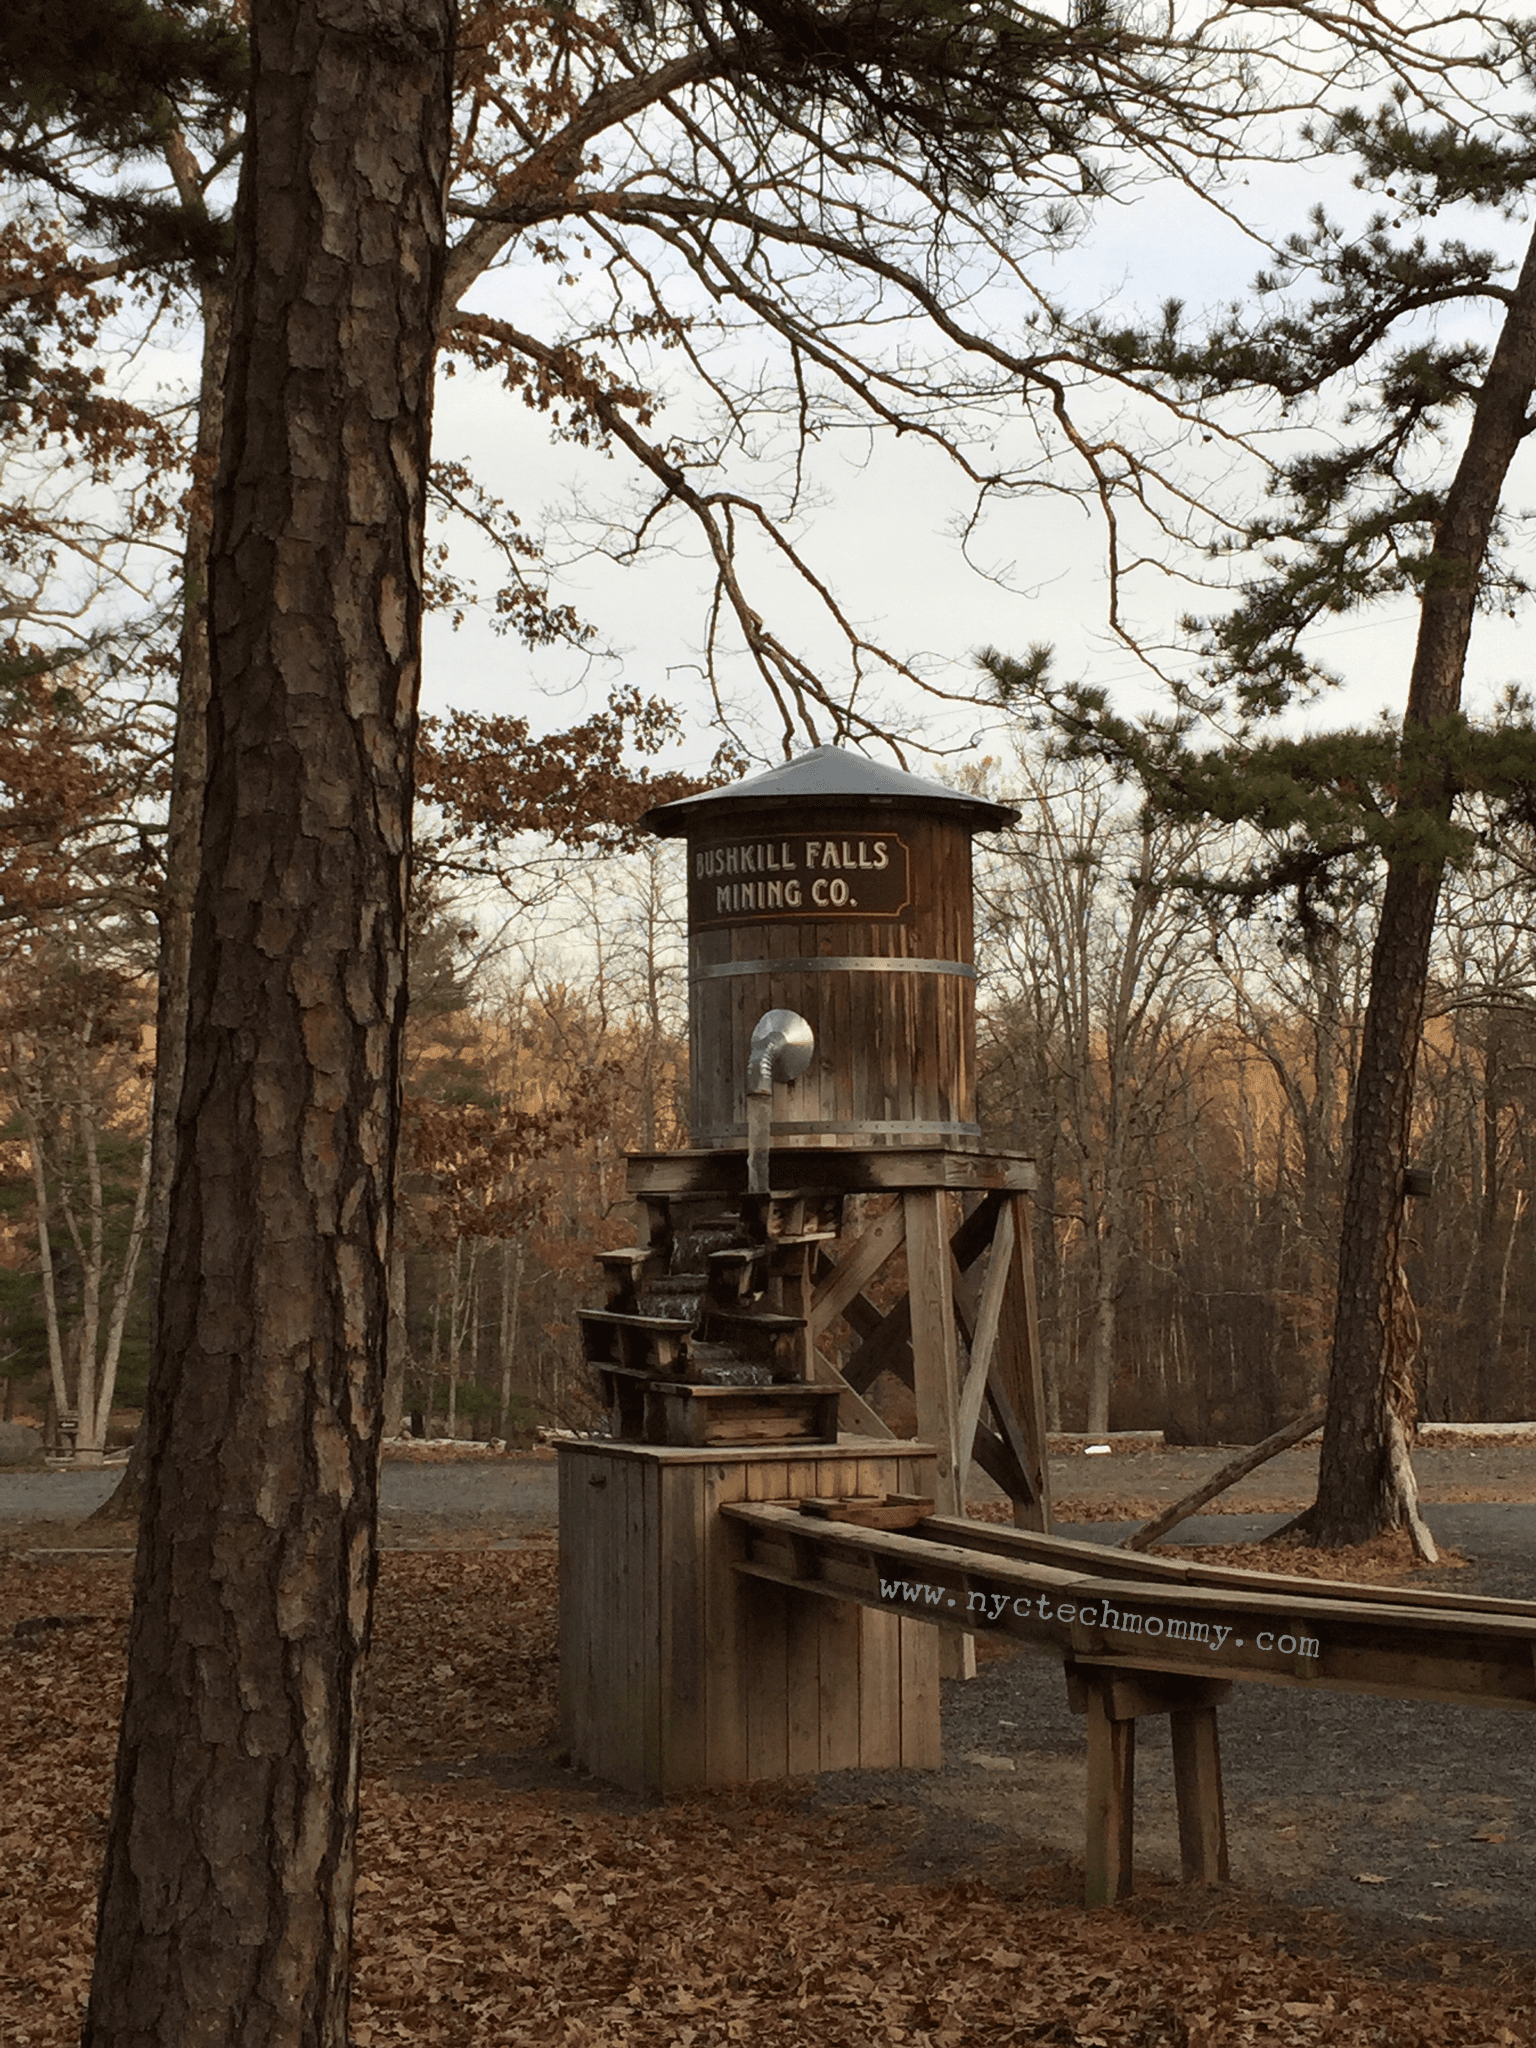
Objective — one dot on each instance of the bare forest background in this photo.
(1180, 1075)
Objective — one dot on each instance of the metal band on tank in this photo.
(726, 970)
(868, 1129)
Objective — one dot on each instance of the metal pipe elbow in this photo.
(781, 1048)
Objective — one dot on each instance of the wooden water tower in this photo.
(834, 893)
(841, 889)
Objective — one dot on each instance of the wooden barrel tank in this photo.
(840, 888)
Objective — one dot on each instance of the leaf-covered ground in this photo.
(505, 1901)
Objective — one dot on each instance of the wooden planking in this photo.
(879, 1731)
(725, 1624)
(841, 1629)
(683, 1668)
(802, 1684)
(623, 1583)
(764, 1617)
(576, 1689)
(876, 1728)
(643, 1554)
(605, 1502)
(918, 1653)
(678, 1672)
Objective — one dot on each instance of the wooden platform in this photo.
(677, 1671)
(868, 1172)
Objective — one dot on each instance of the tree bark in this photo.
(1358, 1496)
(226, 1902)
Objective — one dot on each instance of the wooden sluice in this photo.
(1140, 1635)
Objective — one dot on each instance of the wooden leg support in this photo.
(1197, 1787)
(1113, 1701)
(1111, 1800)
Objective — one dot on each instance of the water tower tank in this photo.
(840, 888)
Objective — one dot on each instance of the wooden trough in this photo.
(1140, 1635)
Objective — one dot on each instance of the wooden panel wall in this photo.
(675, 1671)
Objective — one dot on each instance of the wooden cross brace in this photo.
(974, 1284)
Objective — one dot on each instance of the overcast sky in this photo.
(881, 534)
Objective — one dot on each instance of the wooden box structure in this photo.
(678, 1671)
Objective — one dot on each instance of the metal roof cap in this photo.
(827, 774)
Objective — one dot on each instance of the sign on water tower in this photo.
(839, 888)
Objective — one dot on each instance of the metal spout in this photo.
(780, 1050)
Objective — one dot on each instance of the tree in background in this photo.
(1228, 1256)
(1355, 522)
(1082, 934)
(71, 1030)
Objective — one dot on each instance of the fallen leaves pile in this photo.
(1381, 1562)
(503, 1901)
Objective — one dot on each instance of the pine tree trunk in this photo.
(226, 1902)
(1357, 1496)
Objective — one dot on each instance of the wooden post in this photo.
(1113, 1699)
(1111, 1799)
(936, 1375)
(1197, 1788)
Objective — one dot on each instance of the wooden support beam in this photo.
(1235, 1468)
(839, 1285)
(1197, 1788)
(1121, 1698)
(994, 1454)
(983, 1341)
(888, 1169)
(1017, 1382)
(853, 1411)
(1111, 1802)
(886, 1349)
(887, 1346)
